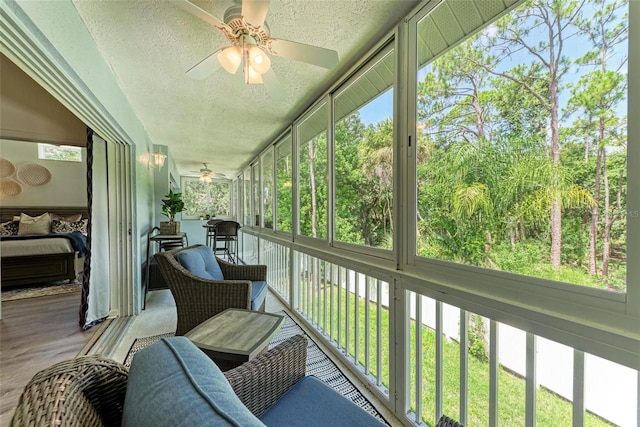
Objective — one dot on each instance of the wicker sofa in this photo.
(173, 383)
(204, 285)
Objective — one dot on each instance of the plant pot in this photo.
(167, 227)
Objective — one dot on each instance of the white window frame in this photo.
(321, 103)
(388, 48)
(287, 138)
(183, 187)
(583, 311)
(42, 152)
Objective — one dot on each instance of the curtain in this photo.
(96, 293)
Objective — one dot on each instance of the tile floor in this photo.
(159, 317)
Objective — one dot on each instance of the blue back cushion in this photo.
(258, 293)
(201, 262)
(174, 383)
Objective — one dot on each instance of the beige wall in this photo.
(29, 113)
(68, 184)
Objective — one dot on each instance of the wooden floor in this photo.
(34, 334)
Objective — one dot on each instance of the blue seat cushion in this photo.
(258, 293)
(313, 403)
(201, 262)
(173, 383)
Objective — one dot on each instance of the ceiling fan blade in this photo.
(206, 67)
(201, 13)
(315, 55)
(273, 86)
(255, 11)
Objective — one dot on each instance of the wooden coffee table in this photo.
(235, 335)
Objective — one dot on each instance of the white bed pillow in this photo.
(34, 225)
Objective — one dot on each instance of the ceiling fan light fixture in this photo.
(251, 76)
(245, 28)
(259, 59)
(206, 179)
(230, 58)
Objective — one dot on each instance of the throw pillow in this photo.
(58, 226)
(34, 225)
(28, 218)
(70, 218)
(9, 228)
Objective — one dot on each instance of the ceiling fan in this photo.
(246, 29)
(207, 175)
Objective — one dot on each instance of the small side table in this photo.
(165, 242)
(170, 240)
(235, 336)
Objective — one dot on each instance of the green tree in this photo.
(552, 21)
(490, 140)
(597, 95)
(313, 186)
(284, 185)
(376, 165)
(453, 107)
(349, 134)
(201, 198)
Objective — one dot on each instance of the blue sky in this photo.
(378, 109)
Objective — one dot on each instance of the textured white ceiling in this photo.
(220, 120)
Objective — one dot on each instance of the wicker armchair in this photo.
(90, 390)
(260, 382)
(197, 299)
(87, 391)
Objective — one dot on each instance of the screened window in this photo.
(246, 183)
(284, 185)
(267, 188)
(63, 153)
(312, 174)
(521, 157)
(364, 156)
(202, 199)
(236, 208)
(255, 186)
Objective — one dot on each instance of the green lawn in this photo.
(552, 410)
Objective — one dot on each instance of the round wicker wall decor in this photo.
(7, 168)
(33, 174)
(9, 188)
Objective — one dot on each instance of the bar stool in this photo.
(210, 231)
(226, 232)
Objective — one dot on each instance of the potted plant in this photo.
(172, 205)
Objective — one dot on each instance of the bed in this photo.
(43, 258)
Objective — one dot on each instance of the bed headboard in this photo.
(7, 212)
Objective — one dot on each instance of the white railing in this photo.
(276, 257)
(347, 307)
(444, 360)
(501, 375)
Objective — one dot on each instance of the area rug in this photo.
(318, 363)
(41, 291)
